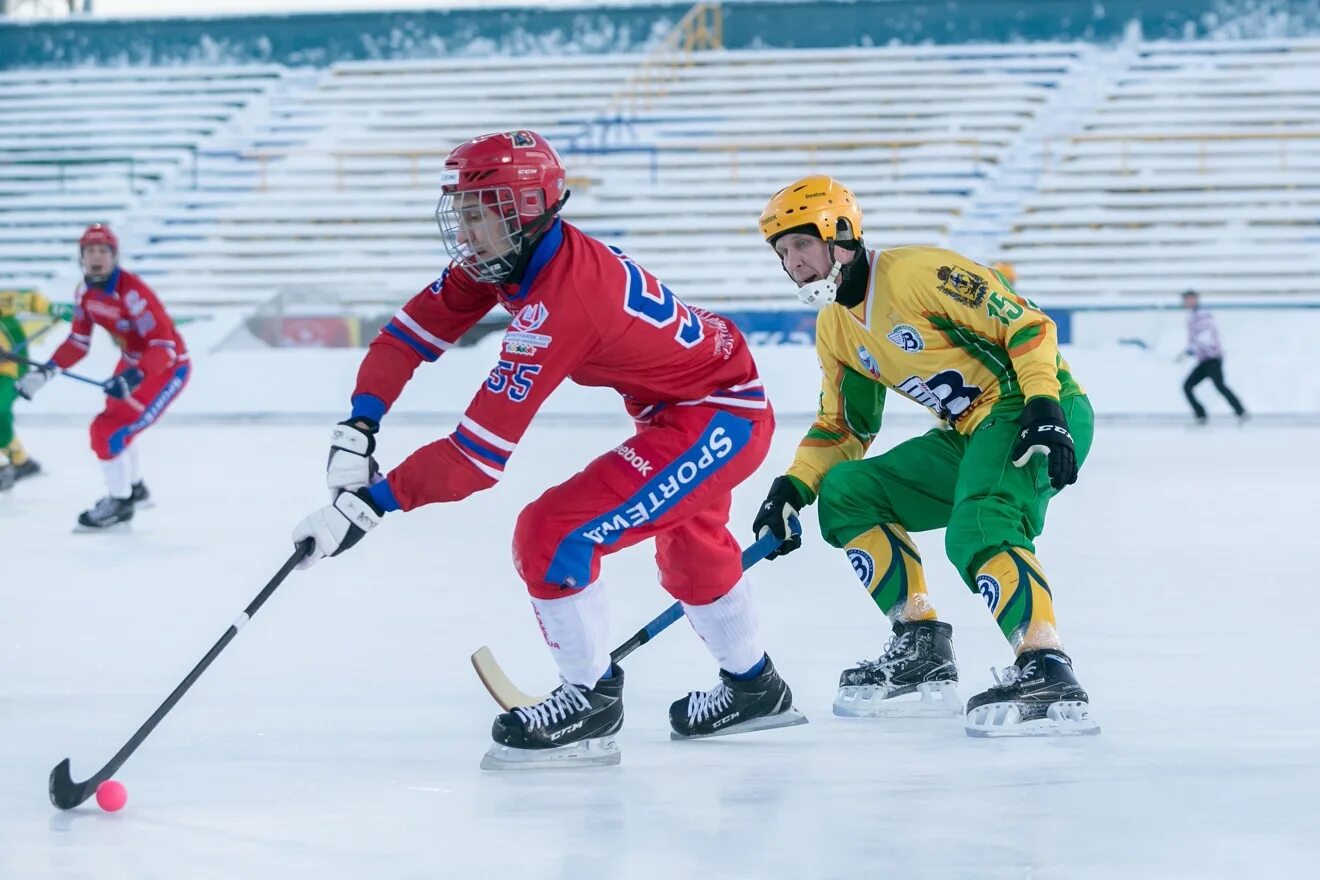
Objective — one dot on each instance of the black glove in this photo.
(123, 384)
(782, 502)
(1045, 431)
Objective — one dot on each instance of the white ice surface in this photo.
(338, 736)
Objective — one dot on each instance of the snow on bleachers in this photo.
(236, 184)
(89, 144)
(674, 169)
(1200, 168)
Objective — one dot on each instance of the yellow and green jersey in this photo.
(935, 327)
(14, 303)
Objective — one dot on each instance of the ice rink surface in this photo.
(339, 735)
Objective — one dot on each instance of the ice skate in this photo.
(735, 706)
(29, 468)
(108, 513)
(1036, 696)
(141, 496)
(915, 677)
(573, 727)
(7, 477)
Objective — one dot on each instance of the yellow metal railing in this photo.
(1203, 140)
(701, 29)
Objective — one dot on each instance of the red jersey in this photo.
(132, 313)
(583, 311)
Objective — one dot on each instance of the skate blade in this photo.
(599, 752)
(1064, 718)
(788, 718)
(933, 699)
(117, 528)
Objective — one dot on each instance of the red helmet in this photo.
(99, 233)
(499, 193)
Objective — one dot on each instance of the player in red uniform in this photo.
(586, 312)
(152, 369)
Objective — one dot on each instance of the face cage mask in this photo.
(501, 249)
(92, 280)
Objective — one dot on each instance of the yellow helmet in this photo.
(817, 201)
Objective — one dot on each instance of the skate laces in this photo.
(708, 704)
(1011, 675)
(566, 699)
(893, 649)
(104, 506)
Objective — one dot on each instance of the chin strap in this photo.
(821, 293)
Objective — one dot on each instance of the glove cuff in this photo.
(787, 488)
(1042, 409)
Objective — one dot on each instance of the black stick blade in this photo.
(64, 792)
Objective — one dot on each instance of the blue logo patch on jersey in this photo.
(988, 587)
(439, 284)
(868, 361)
(906, 337)
(863, 565)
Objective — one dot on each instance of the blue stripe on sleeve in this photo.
(383, 495)
(368, 406)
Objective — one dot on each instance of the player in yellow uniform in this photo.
(15, 463)
(952, 335)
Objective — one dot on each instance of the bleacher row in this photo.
(1137, 170)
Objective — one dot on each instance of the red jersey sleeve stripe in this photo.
(426, 352)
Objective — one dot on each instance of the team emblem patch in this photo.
(966, 287)
(906, 337)
(868, 361)
(988, 587)
(530, 318)
(522, 139)
(863, 565)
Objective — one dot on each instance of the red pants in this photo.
(673, 481)
(121, 420)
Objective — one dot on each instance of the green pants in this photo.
(943, 479)
(8, 394)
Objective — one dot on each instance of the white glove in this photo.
(350, 465)
(32, 381)
(337, 526)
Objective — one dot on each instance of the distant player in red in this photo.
(152, 369)
(586, 312)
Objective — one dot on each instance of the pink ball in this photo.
(111, 796)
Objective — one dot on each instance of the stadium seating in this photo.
(1135, 170)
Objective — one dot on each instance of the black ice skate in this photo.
(915, 677)
(141, 496)
(573, 727)
(105, 514)
(735, 706)
(1037, 695)
(29, 468)
(7, 478)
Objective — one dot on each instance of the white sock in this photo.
(134, 464)
(577, 629)
(728, 627)
(116, 477)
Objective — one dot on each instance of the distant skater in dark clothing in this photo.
(1203, 344)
